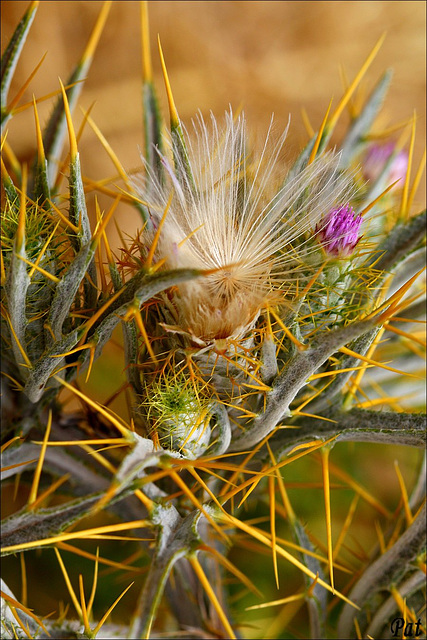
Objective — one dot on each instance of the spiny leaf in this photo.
(67, 287)
(361, 125)
(356, 81)
(182, 164)
(17, 284)
(302, 160)
(13, 51)
(44, 368)
(41, 189)
(47, 529)
(298, 369)
(177, 537)
(212, 596)
(77, 209)
(56, 128)
(403, 211)
(382, 572)
(151, 112)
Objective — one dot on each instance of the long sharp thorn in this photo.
(157, 235)
(326, 491)
(68, 583)
(211, 595)
(24, 595)
(346, 525)
(138, 318)
(20, 232)
(374, 202)
(407, 508)
(83, 603)
(319, 136)
(145, 44)
(347, 95)
(272, 494)
(171, 102)
(108, 149)
(10, 107)
(71, 133)
(416, 182)
(261, 537)
(96, 33)
(307, 123)
(105, 616)
(286, 502)
(38, 471)
(40, 148)
(403, 213)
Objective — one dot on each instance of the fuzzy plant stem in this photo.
(294, 377)
(356, 425)
(388, 609)
(176, 536)
(384, 571)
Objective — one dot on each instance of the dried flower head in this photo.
(339, 231)
(240, 215)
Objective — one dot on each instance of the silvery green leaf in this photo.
(221, 430)
(45, 367)
(177, 538)
(355, 425)
(135, 292)
(56, 129)
(16, 288)
(40, 189)
(152, 129)
(401, 240)
(9, 624)
(67, 287)
(79, 217)
(317, 602)
(384, 571)
(389, 610)
(24, 526)
(362, 124)
(294, 376)
(11, 57)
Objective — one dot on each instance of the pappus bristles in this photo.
(239, 215)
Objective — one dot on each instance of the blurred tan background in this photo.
(267, 56)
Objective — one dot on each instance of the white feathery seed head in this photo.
(239, 214)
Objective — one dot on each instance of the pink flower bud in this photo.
(339, 231)
(378, 155)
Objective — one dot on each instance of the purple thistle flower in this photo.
(339, 231)
(376, 157)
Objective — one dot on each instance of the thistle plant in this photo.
(267, 313)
